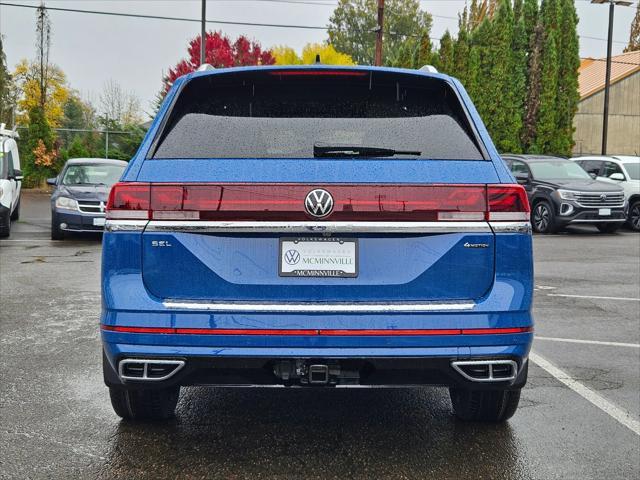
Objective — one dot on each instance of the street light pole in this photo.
(607, 81)
(203, 21)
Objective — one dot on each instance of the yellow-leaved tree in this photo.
(328, 55)
(27, 79)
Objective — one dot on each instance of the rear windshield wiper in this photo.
(357, 151)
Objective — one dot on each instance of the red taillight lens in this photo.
(286, 202)
(129, 201)
(507, 202)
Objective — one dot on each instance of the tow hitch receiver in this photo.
(318, 374)
(303, 372)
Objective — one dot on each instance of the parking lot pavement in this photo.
(578, 416)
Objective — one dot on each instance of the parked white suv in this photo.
(623, 170)
(10, 180)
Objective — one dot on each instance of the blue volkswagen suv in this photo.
(317, 227)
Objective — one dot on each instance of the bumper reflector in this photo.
(318, 332)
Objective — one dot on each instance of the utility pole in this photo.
(203, 33)
(378, 58)
(607, 81)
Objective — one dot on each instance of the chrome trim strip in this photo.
(146, 361)
(125, 225)
(600, 220)
(320, 307)
(514, 369)
(315, 227)
(510, 227)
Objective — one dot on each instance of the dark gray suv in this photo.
(562, 193)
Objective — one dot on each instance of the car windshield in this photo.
(633, 169)
(558, 170)
(92, 174)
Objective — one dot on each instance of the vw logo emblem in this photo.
(318, 203)
(603, 197)
(292, 257)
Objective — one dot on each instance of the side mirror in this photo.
(52, 181)
(618, 177)
(17, 175)
(522, 178)
(592, 175)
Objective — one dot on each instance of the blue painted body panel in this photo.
(411, 268)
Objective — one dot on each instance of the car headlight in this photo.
(567, 194)
(66, 203)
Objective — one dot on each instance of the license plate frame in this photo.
(98, 221)
(604, 212)
(306, 245)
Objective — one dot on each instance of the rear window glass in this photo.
(275, 114)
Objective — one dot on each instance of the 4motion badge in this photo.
(476, 245)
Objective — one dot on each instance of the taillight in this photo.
(507, 202)
(286, 202)
(129, 201)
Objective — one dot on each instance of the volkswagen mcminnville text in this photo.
(317, 227)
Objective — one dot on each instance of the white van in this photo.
(10, 180)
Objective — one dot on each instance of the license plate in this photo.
(604, 212)
(98, 222)
(318, 257)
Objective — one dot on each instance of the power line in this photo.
(230, 22)
(185, 19)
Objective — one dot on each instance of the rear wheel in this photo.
(608, 227)
(16, 212)
(484, 405)
(543, 220)
(5, 230)
(141, 405)
(634, 216)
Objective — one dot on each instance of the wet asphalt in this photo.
(57, 422)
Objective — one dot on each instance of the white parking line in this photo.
(629, 299)
(589, 342)
(585, 392)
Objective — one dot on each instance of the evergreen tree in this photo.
(530, 18)
(520, 47)
(504, 118)
(567, 96)
(423, 54)
(444, 59)
(546, 122)
(534, 73)
(461, 50)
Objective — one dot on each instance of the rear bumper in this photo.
(369, 367)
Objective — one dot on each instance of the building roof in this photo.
(592, 72)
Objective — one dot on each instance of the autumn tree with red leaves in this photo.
(220, 52)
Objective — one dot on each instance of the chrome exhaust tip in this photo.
(486, 370)
(148, 370)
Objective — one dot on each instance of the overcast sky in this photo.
(136, 52)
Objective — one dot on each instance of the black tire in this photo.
(56, 232)
(144, 405)
(16, 213)
(484, 405)
(634, 216)
(6, 231)
(608, 227)
(543, 218)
